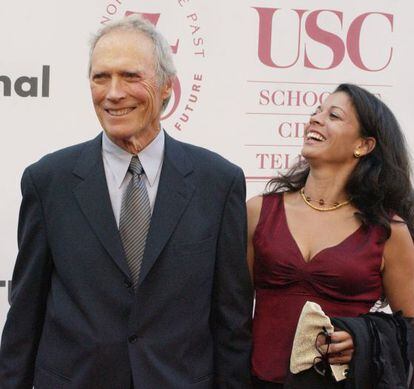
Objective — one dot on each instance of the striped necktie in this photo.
(135, 219)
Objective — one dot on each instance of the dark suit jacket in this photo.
(75, 322)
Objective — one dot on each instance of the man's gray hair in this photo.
(164, 65)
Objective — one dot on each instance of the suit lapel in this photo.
(174, 193)
(93, 198)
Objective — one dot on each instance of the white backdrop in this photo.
(250, 73)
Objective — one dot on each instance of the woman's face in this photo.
(332, 134)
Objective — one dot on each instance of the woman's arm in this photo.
(398, 283)
(398, 272)
(254, 205)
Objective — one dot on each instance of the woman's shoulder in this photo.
(262, 206)
(254, 206)
(400, 233)
(399, 247)
(255, 202)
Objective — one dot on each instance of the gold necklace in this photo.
(308, 200)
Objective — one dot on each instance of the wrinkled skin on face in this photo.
(126, 92)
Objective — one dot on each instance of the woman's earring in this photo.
(357, 153)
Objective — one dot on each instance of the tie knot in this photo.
(135, 166)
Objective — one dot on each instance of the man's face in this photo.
(125, 89)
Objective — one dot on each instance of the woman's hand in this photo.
(340, 348)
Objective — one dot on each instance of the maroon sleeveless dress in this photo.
(345, 280)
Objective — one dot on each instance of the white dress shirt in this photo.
(116, 162)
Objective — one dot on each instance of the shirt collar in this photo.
(118, 159)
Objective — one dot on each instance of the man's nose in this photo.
(116, 90)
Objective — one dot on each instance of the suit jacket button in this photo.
(132, 339)
(128, 283)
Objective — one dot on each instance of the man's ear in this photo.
(167, 89)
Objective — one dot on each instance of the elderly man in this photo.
(131, 270)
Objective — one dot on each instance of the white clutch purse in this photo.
(312, 323)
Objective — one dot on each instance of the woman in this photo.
(336, 230)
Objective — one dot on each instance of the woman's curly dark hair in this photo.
(380, 185)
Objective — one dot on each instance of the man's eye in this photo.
(99, 76)
(131, 76)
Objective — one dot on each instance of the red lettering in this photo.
(327, 38)
(265, 36)
(335, 43)
(354, 37)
